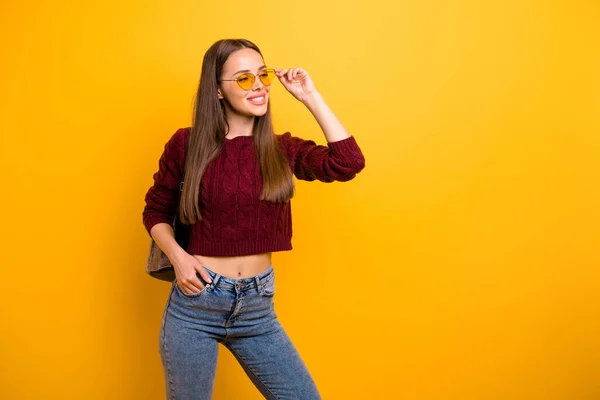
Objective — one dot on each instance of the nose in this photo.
(258, 85)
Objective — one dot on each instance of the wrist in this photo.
(175, 250)
(312, 100)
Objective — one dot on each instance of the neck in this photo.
(239, 125)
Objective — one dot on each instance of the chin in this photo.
(259, 112)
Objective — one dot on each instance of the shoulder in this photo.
(181, 137)
(179, 140)
(177, 144)
(283, 138)
(290, 142)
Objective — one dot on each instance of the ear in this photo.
(219, 94)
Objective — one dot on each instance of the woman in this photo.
(235, 198)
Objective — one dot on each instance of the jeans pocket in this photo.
(268, 289)
(193, 295)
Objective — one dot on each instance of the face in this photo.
(253, 102)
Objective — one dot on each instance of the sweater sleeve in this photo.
(338, 161)
(161, 199)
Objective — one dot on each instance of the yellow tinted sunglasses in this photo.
(246, 80)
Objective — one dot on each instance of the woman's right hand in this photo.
(187, 269)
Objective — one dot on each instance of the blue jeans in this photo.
(239, 314)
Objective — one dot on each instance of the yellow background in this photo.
(462, 263)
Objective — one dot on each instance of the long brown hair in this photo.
(207, 136)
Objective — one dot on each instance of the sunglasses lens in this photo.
(245, 81)
(266, 76)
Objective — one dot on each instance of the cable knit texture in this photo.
(235, 222)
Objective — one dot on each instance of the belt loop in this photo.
(216, 279)
(258, 283)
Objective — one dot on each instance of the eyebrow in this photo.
(247, 70)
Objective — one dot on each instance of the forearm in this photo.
(164, 236)
(329, 123)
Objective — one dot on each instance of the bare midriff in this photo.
(236, 267)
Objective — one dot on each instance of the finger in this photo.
(195, 285)
(289, 74)
(205, 275)
(195, 289)
(283, 72)
(188, 288)
(296, 73)
(200, 270)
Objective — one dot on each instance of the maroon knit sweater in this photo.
(235, 222)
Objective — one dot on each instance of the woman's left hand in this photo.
(297, 82)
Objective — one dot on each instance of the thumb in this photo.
(200, 269)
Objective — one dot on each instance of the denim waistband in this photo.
(251, 282)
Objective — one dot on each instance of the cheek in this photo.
(236, 98)
(240, 99)
(239, 96)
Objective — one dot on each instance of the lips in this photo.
(258, 100)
